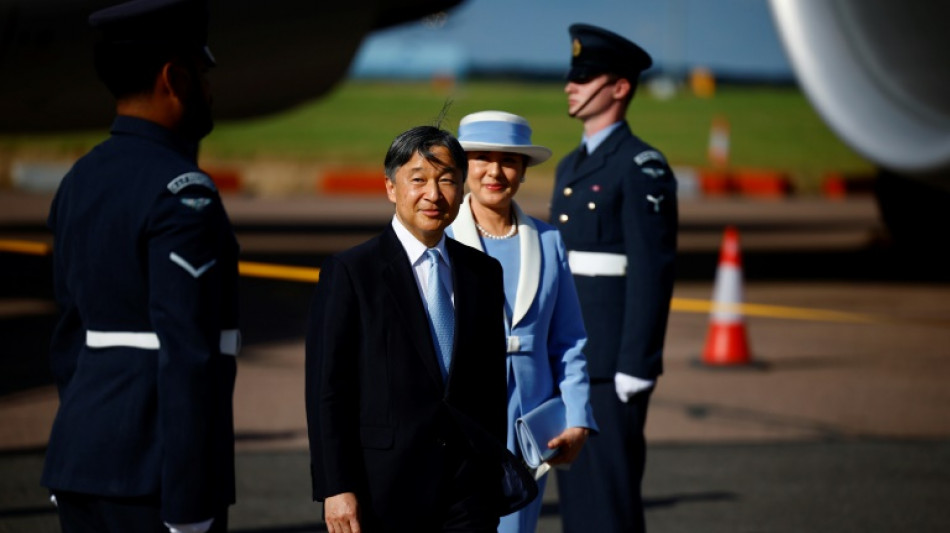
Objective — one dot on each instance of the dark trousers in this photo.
(84, 513)
(601, 491)
(465, 504)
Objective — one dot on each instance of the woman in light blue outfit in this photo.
(542, 316)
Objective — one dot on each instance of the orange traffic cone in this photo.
(726, 342)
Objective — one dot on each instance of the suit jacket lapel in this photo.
(400, 281)
(466, 287)
(465, 232)
(463, 229)
(530, 272)
(598, 159)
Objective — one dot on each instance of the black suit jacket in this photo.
(621, 200)
(379, 415)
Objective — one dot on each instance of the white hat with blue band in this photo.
(498, 131)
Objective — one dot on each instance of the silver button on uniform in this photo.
(568, 191)
(592, 206)
(563, 218)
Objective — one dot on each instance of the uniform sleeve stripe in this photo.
(189, 268)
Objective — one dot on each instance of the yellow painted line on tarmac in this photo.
(25, 247)
(690, 305)
(245, 268)
(685, 305)
(282, 272)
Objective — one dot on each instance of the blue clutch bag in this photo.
(534, 429)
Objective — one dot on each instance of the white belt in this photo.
(230, 343)
(597, 264)
(520, 343)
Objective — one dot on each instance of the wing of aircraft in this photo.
(878, 72)
(271, 55)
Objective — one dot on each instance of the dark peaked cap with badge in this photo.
(168, 25)
(597, 51)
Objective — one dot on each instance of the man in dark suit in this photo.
(145, 274)
(615, 205)
(406, 359)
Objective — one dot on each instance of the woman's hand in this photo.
(570, 442)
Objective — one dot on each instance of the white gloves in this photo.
(197, 527)
(628, 385)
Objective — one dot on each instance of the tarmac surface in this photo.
(839, 422)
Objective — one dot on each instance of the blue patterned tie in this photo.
(441, 314)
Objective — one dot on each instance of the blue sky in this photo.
(731, 37)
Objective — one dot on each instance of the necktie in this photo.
(581, 156)
(441, 314)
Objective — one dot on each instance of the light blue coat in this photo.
(545, 335)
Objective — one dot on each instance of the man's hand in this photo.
(627, 386)
(570, 442)
(342, 513)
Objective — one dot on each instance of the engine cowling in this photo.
(878, 73)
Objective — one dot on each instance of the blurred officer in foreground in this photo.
(145, 268)
(615, 205)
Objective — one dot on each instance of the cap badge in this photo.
(576, 48)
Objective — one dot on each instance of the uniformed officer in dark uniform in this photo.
(145, 268)
(615, 205)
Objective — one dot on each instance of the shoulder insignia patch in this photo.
(188, 179)
(196, 203)
(654, 172)
(648, 155)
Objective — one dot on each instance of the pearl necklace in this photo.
(511, 232)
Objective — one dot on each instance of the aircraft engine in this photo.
(878, 73)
